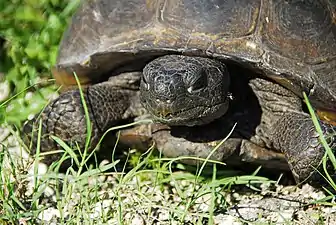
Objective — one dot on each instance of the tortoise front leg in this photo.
(108, 103)
(176, 142)
(285, 127)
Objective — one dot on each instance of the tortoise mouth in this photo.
(197, 115)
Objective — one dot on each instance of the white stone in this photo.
(226, 220)
(4, 90)
(48, 214)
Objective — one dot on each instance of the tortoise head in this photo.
(183, 90)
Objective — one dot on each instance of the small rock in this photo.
(227, 220)
(282, 217)
(163, 215)
(137, 220)
(4, 133)
(49, 214)
(4, 90)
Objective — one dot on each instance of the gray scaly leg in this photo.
(284, 126)
(108, 104)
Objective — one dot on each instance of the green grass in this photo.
(31, 31)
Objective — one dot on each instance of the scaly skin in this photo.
(65, 117)
(284, 126)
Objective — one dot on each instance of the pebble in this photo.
(137, 220)
(4, 133)
(227, 220)
(163, 215)
(4, 91)
(49, 214)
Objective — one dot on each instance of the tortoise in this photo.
(197, 67)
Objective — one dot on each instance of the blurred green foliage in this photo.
(30, 32)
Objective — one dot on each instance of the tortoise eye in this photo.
(199, 84)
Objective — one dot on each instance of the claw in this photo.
(327, 116)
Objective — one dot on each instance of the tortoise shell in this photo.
(292, 42)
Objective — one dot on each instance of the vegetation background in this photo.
(30, 32)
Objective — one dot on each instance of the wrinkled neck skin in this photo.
(185, 91)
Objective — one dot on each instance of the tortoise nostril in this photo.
(192, 89)
(165, 115)
(198, 84)
(145, 83)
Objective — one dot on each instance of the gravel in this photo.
(142, 201)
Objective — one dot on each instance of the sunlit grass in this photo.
(330, 153)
